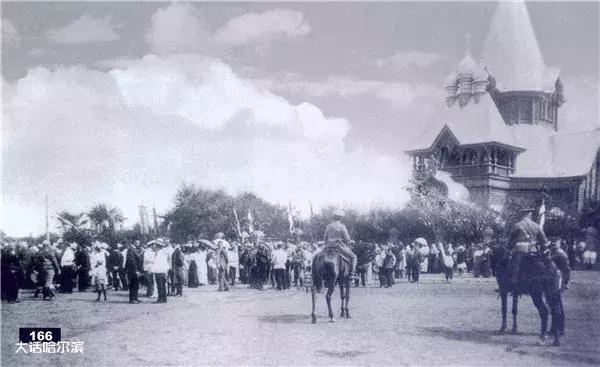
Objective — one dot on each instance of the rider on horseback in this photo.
(526, 237)
(337, 237)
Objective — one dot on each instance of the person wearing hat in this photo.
(221, 261)
(147, 260)
(47, 265)
(67, 265)
(560, 258)
(82, 262)
(178, 269)
(336, 236)
(160, 268)
(134, 268)
(115, 261)
(526, 237)
(98, 260)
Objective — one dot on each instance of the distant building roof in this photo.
(511, 52)
(553, 154)
(474, 123)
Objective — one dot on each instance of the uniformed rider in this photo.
(336, 236)
(526, 237)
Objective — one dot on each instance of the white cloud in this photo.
(262, 27)
(401, 94)
(134, 133)
(86, 29)
(409, 59)
(177, 28)
(10, 35)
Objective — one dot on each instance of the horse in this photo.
(538, 277)
(331, 267)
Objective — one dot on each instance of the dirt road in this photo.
(432, 323)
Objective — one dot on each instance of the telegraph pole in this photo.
(155, 220)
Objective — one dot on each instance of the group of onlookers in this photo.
(164, 267)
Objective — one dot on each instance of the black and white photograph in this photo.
(300, 183)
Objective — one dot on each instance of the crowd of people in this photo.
(164, 267)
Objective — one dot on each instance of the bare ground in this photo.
(432, 323)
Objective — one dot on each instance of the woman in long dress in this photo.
(190, 259)
(200, 259)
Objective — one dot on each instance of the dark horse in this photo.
(330, 267)
(538, 277)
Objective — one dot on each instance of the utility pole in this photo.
(155, 220)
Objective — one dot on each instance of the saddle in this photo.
(335, 247)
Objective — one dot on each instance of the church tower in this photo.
(523, 88)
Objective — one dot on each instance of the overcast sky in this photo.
(122, 102)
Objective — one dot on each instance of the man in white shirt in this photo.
(234, 259)
(67, 265)
(148, 262)
(160, 268)
(279, 259)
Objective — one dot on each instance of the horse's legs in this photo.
(347, 298)
(342, 296)
(330, 289)
(515, 310)
(543, 311)
(504, 301)
(313, 295)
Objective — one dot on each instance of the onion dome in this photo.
(467, 67)
(451, 79)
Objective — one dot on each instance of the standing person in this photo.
(401, 265)
(389, 263)
(336, 236)
(122, 271)
(11, 269)
(201, 260)
(168, 248)
(82, 261)
(297, 264)
(278, 261)
(67, 264)
(133, 268)
(192, 265)
(378, 265)
(461, 260)
(98, 260)
(447, 260)
(178, 269)
(417, 257)
(221, 261)
(234, 259)
(561, 259)
(115, 259)
(147, 262)
(29, 265)
(47, 266)
(160, 268)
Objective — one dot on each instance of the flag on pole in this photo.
(290, 217)
(250, 222)
(542, 214)
(237, 223)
